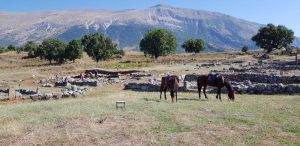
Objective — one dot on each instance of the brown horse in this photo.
(171, 83)
(219, 82)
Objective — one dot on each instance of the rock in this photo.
(26, 91)
(47, 85)
(60, 84)
(43, 81)
(47, 96)
(74, 88)
(57, 95)
(264, 56)
(18, 95)
(34, 97)
(75, 94)
(66, 95)
(186, 86)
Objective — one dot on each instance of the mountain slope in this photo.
(127, 27)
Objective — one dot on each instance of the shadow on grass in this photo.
(183, 99)
(42, 65)
(191, 99)
(153, 100)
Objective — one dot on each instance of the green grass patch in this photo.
(292, 129)
(234, 120)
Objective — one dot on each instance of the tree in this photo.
(245, 49)
(31, 48)
(158, 42)
(3, 49)
(99, 47)
(74, 50)
(273, 37)
(53, 49)
(193, 45)
(40, 52)
(11, 48)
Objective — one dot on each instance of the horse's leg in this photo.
(204, 91)
(160, 94)
(199, 91)
(176, 96)
(165, 94)
(219, 93)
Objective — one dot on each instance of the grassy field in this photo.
(94, 120)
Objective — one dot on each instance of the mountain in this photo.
(127, 27)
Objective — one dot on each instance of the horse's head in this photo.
(231, 95)
(230, 90)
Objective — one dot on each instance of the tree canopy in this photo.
(99, 47)
(158, 42)
(273, 37)
(74, 50)
(193, 45)
(31, 47)
(245, 49)
(53, 49)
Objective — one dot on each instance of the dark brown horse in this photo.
(218, 82)
(169, 83)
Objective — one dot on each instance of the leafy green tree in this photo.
(245, 49)
(31, 48)
(11, 48)
(40, 52)
(99, 47)
(74, 50)
(193, 45)
(3, 49)
(53, 49)
(273, 37)
(158, 42)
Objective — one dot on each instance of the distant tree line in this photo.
(97, 46)
(11, 48)
(155, 43)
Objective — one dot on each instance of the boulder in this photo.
(74, 88)
(47, 85)
(57, 95)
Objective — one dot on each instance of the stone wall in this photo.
(254, 78)
(245, 87)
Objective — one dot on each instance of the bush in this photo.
(31, 48)
(245, 49)
(193, 45)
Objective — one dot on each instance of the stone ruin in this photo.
(69, 91)
(76, 86)
(242, 83)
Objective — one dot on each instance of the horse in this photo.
(218, 82)
(171, 83)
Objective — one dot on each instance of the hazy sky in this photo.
(284, 12)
